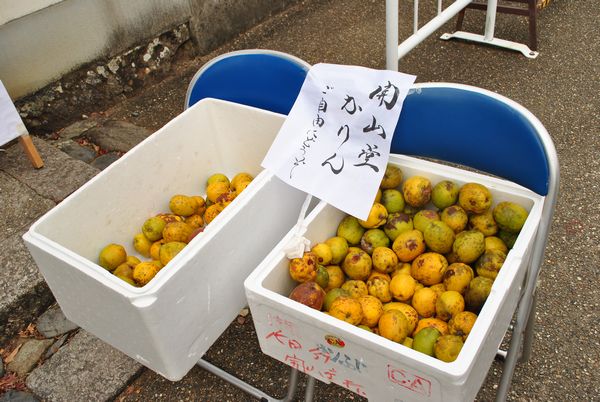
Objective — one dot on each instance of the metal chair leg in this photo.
(244, 386)
(528, 333)
(310, 389)
(514, 353)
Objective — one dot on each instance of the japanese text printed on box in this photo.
(335, 142)
(11, 125)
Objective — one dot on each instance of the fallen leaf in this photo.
(128, 391)
(29, 331)
(11, 381)
(12, 354)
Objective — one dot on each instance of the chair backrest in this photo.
(477, 128)
(264, 79)
(450, 122)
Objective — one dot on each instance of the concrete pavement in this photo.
(560, 87)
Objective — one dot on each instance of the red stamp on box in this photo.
(410, 381)
(335, 341)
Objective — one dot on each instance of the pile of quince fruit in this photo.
(419, 269)
(164, 235)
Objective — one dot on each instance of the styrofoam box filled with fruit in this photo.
(404, 307)
(171, 303)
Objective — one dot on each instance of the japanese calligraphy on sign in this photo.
(335, 143)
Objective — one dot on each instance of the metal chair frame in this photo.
(418, 133)
(528, 158)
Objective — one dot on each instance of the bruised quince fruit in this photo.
(322, 277)
(240, 181)
(436, 323)
(347, 309)
(153, 228)
(477, 293)
(355, 288)
(216, 189)
(332, 295)
(392, 200)
(393, 325)
(469, 245)
(310, 294)
(423, 218)
(323, 253)
(112, 256)
(449, 304)
(183, 205)
(217, 177)
(457, 277)
(372, 309)
(177, 231)
(304, 269)
(495, 243)
(169, 250)
(125, 272)
(377, 217)
(455, 217)
(439, 237)
(379, 287)
(350, 229)
(489, 264)
(142, 244)
(392, 177)
(484, 222)
(357, 264)
(510, 216)
(447, 347)
(428, 268)
(462, 323)
(417, 191)
(195, 221)
(444, 194)
(474, 198)
(408, 245)
(396, 223)
(372, 239)
(339, 248)
(425, 340)
(336, 277)
(384, 260)
(145, 271)
(409, 312)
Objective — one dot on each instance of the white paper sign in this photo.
(11, 125)
(335, 142)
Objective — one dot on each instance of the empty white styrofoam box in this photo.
(168, 324)
(363, 362)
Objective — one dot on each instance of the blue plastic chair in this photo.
(265, 79)
(486, 131)
(449, 122)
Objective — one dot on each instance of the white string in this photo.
(298, 244)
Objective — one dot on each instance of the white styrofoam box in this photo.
(168, 324)
(363, 362)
